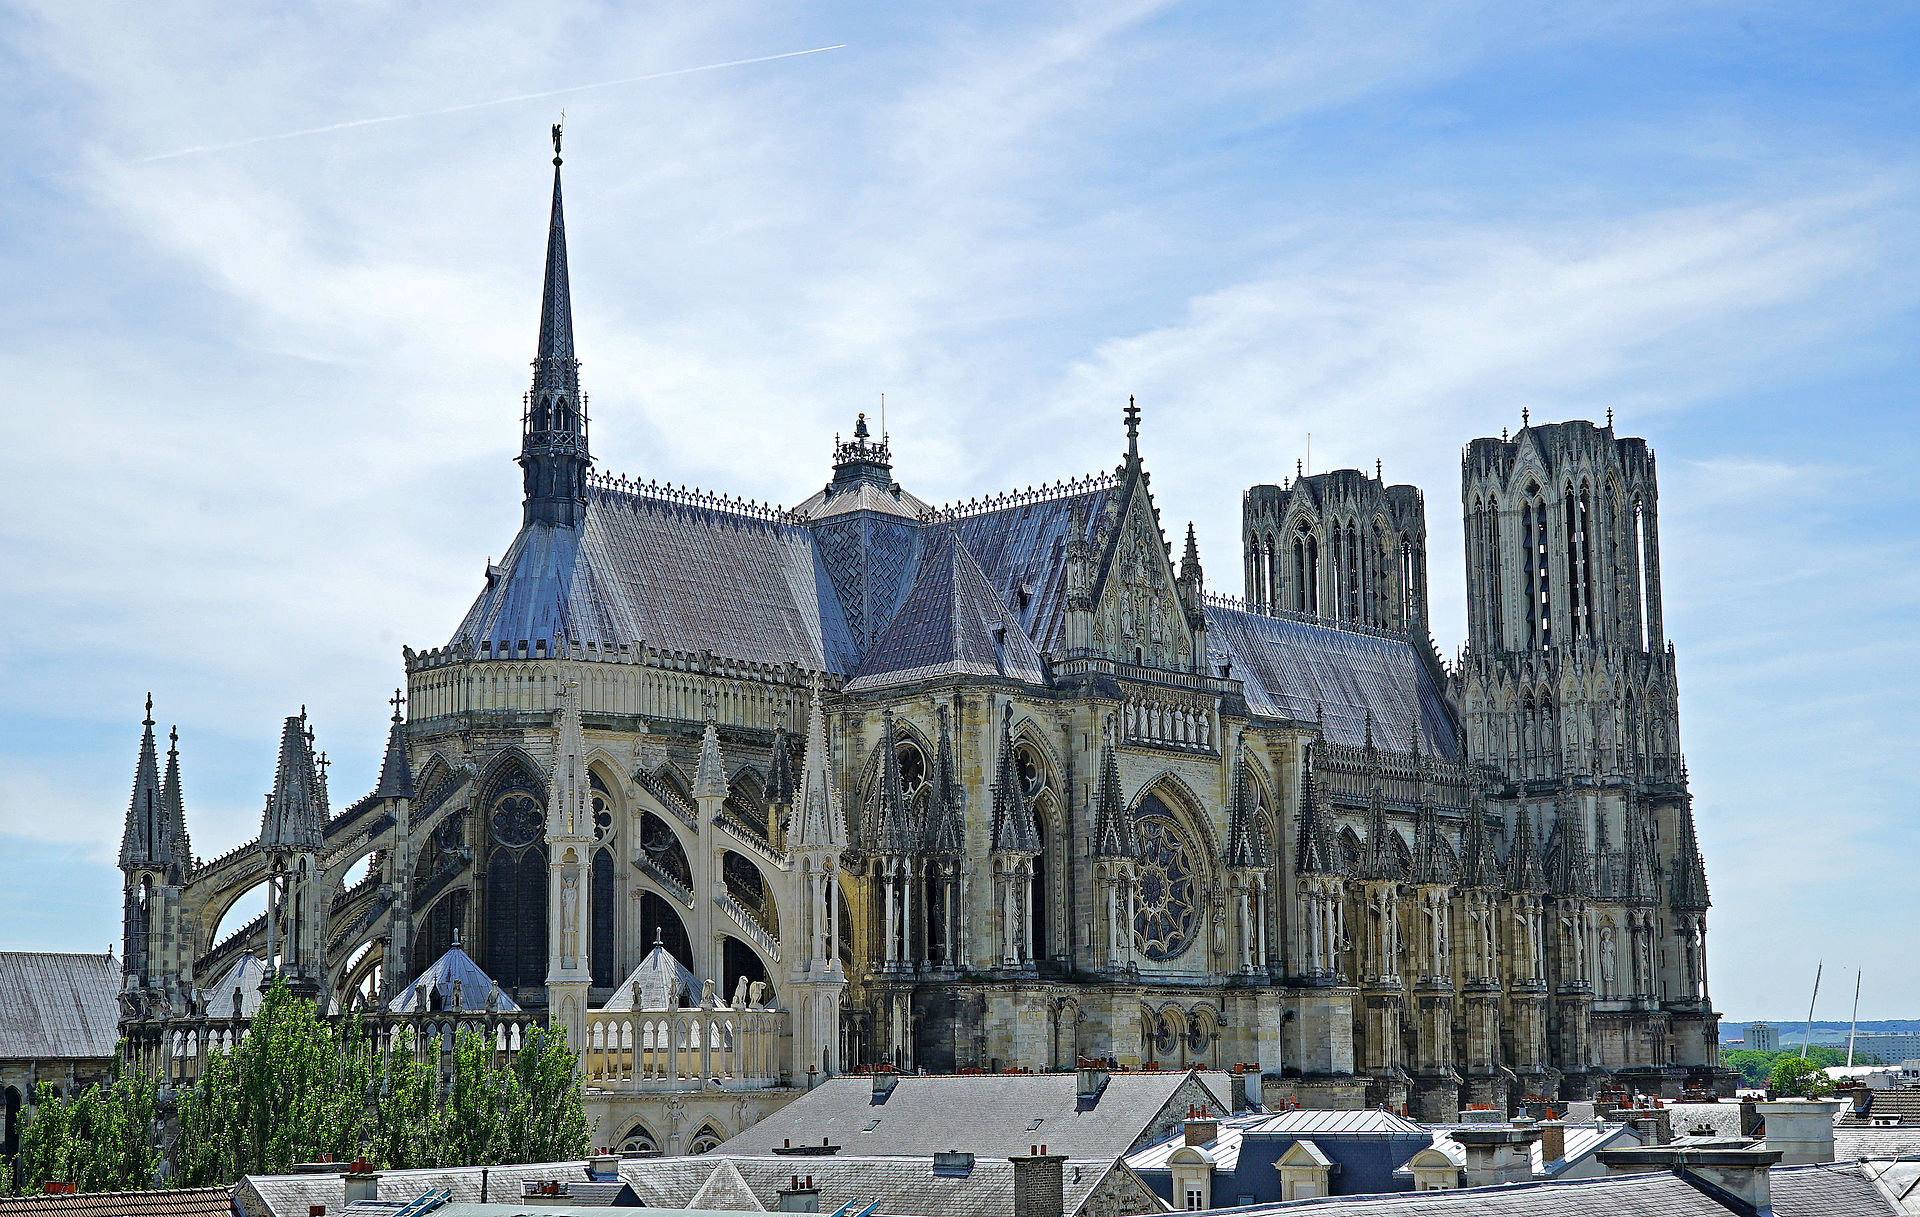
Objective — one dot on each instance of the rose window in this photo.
(517, 819)
(1166, 918)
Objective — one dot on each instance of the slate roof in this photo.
(1582, 1141)
(1718, 1119)
(1902, 1104)
(1298, 669)
(989, 1115)
(58, 1005)
(950, 623)
(171, 1202)
(1852, 1144)
(1802, 1191)
(1022, 552)
(290, 1195)
(665, 983)
(902, 1185)
(243, 978)
(456, 966)
(1370, 1147)
(905, 1185)
(676, 575)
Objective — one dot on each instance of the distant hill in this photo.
(1824, 1031)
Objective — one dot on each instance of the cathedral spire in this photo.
(820, 824)
(946, 808)
(1013, 817)
(292, 819)
(1113, 833)
(553, 445)
(173, 812)
(142, 842)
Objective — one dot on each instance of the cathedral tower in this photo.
(554, 459)
(155, 856)
(1568, 693)
(1339, 545)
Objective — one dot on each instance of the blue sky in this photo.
(261, 401)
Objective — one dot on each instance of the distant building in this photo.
(1762, 1037)
(1889, 1047)
(58, 1023)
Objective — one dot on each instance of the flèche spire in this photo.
(554, 458)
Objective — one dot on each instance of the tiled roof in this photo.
(951, 622)
(1022, 552)
(676, 575)
(172, 1202)
(991, 1115)
(1300, 669)
(1902, 1104)
(58, 1006)
(1225, 1148)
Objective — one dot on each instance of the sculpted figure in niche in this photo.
(1607, 952)
(569, 919)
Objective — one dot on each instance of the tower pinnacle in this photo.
(554, 458)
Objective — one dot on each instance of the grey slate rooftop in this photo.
(58, 1005)
(989, 1115)
(1798, 1191)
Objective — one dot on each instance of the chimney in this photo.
(884, 1080)
(1039, 1184)
(316, 1210)
(1090, 1078)
(1553, 1140)
(1201, 1127)
(604, 1168)
(361, 1184)
(1498, 1153)
(1801, 1129)
(799, 1197)
(1736, 1174)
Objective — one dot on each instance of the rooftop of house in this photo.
(57, 1005)
(990, 1115)
(171, 1202)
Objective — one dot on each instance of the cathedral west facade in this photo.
(1002, 785)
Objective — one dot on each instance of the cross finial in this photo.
(396, 701)
(1609, 418)
(321, 764)
(1133, 427)
(1526, 417)
(148, 721)
(1376, 470)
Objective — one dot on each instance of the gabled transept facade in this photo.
(1003, 785)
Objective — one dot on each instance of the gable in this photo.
(1138, 617)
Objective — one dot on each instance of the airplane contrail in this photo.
(477, 105)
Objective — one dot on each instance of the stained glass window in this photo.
(1166, 920)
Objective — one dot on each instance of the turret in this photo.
(554, 457)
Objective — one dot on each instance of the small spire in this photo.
(142, 842)
(1133, 429)
(710, 778)
(947, 804)
(1013, 816)
(554, 457)
(292, 818)
(396, 775)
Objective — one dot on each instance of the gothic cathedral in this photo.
(1001, 785)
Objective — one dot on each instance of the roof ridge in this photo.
(1043, 493)
(680, 496)
(1221, 600)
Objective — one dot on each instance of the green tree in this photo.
(546, 1122)
(1794, 1078)
(99, 1138)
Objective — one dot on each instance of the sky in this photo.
(261, 393)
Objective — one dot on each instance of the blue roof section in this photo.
(1022, 552)
(1299, 669)
(952, 622)
(455, 967)
(675, 575)
(1368, 1145)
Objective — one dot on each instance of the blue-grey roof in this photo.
(1368, 1145)
(1297, 669)
(58, 1006)
(455, 967)
(244, 978)
(951, 622)
(1022, 552)
(676, 575)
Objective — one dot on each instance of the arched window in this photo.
(639, 1141)
(515, 952)
(705, 1141)
(1167, 918)
(605, 850)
